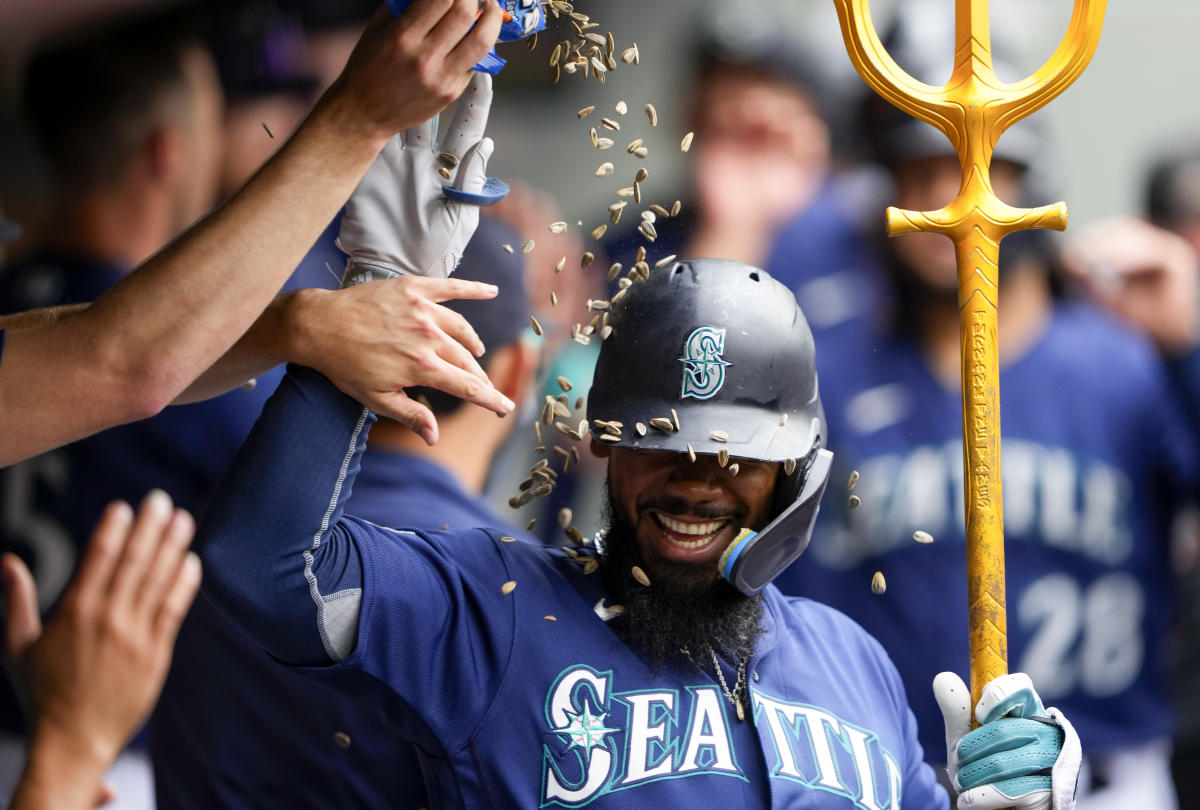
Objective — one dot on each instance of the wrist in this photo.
(63, 770)
(299, 313)
(337, 115)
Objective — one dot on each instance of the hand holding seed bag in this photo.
(398, 220)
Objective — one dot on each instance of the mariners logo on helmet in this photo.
(703, 366)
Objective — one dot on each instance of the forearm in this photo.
(59, 775)
(35, 318)
(140, 345)
(271, 540)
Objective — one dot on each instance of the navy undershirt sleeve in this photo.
(273, 548)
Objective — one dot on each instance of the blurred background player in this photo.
(1097, 455)
(227, 732)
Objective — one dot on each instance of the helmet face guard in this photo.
(720, 356)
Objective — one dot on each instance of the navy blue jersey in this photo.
(522, 696)
(1094, 450)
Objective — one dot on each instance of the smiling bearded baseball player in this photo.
(528, 679)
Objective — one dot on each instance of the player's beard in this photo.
(675, 613)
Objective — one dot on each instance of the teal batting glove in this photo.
(1022, 756)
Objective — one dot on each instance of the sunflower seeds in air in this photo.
(853, 480)
(605, 331)
(613, 271)
(640, 576)
(508, 587)
(733, 469)
(526, 246)
(597, 38)
(691, 453)
(507, 248)
(445, 173)
(637, 193)
(783, 420)
(640, 428)
(611, 124)
(590, 567)
(651, 114)
(506, 539)
(537, 428)
(563, 382)
(610, 45)
(586, 111)
(663, 424)
(627, 191)
(641, 175)
(718, 436)
(598, 68)
(558, 268)
(789, 466)
(659, 211)
(573, 535)
(587, 258)
(664, 261)
(558, 227)
(553, 298)
(603, 143)
(448, 159)
(557, 52)
(854, 502)
(676, 208)
(641, 152)
(608, 437)
(649, 216)
(686, 143)
(722, 457)
(595, 138)
(648, 230)
(564, 517)
(630, 55)
(634, 144)
(621, 108)
(598, 231)
(922, 537)
(604, 169)
(878, 584)
(537, 327)
(614, 211)
(675, 419)
(550, 618)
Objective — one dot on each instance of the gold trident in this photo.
(973, 109)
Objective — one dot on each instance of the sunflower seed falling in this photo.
(506, 539)
(564, 517)
(270, 134)
(718, 436)
(878, 584)
(675, 419)
(604, 169)
(853, 480)
(621, 108)
(686, 143)
(603, 143)
(651, 114)
(691, 453)
(595, 138)
(558, 268)
(563, 382)
(537, 327)
(630, 55)
(626, 191)
(586, 111)
(922, 537)
(637, 193)
(550, 618)
(789, 466)
(614, 211)
(664, 261)
(558, 227)
(641, 175)
(578, 403)
(553, 298)
(640, 576)
(854, 502)
(556, 53)
(733, 469)
(445, 173)
(722, 457)
(640, 428)
(507, 248)
(647, 229)
(663, 424)
(676, 208)
(649, 216)
(608, 123)
(598, 231)
(605, 331)
(641, 152)
(783, 420)
(573, 534)
(587, 258)
(659, 211)
(613, 271)
(526, 247)
(590, 567)
(508, 587)
(537, 428)
(608, 437)
(634, 144)
(448, 159)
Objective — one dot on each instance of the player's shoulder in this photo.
(798, 612)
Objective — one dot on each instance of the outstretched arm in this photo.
(140, 345)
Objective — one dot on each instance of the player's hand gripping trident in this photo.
(973, 109)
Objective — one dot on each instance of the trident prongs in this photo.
(973, 109)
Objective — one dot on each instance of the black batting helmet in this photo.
(720, 356)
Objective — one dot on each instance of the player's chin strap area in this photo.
(753, 559)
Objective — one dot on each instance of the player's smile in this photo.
(686, 537)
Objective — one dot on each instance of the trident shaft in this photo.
(973, 109)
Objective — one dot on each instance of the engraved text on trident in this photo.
(973, 109)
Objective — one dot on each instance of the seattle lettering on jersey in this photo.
(601, 741)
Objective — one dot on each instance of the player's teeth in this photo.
(693, 529)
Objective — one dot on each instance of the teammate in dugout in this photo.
(525, 682)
